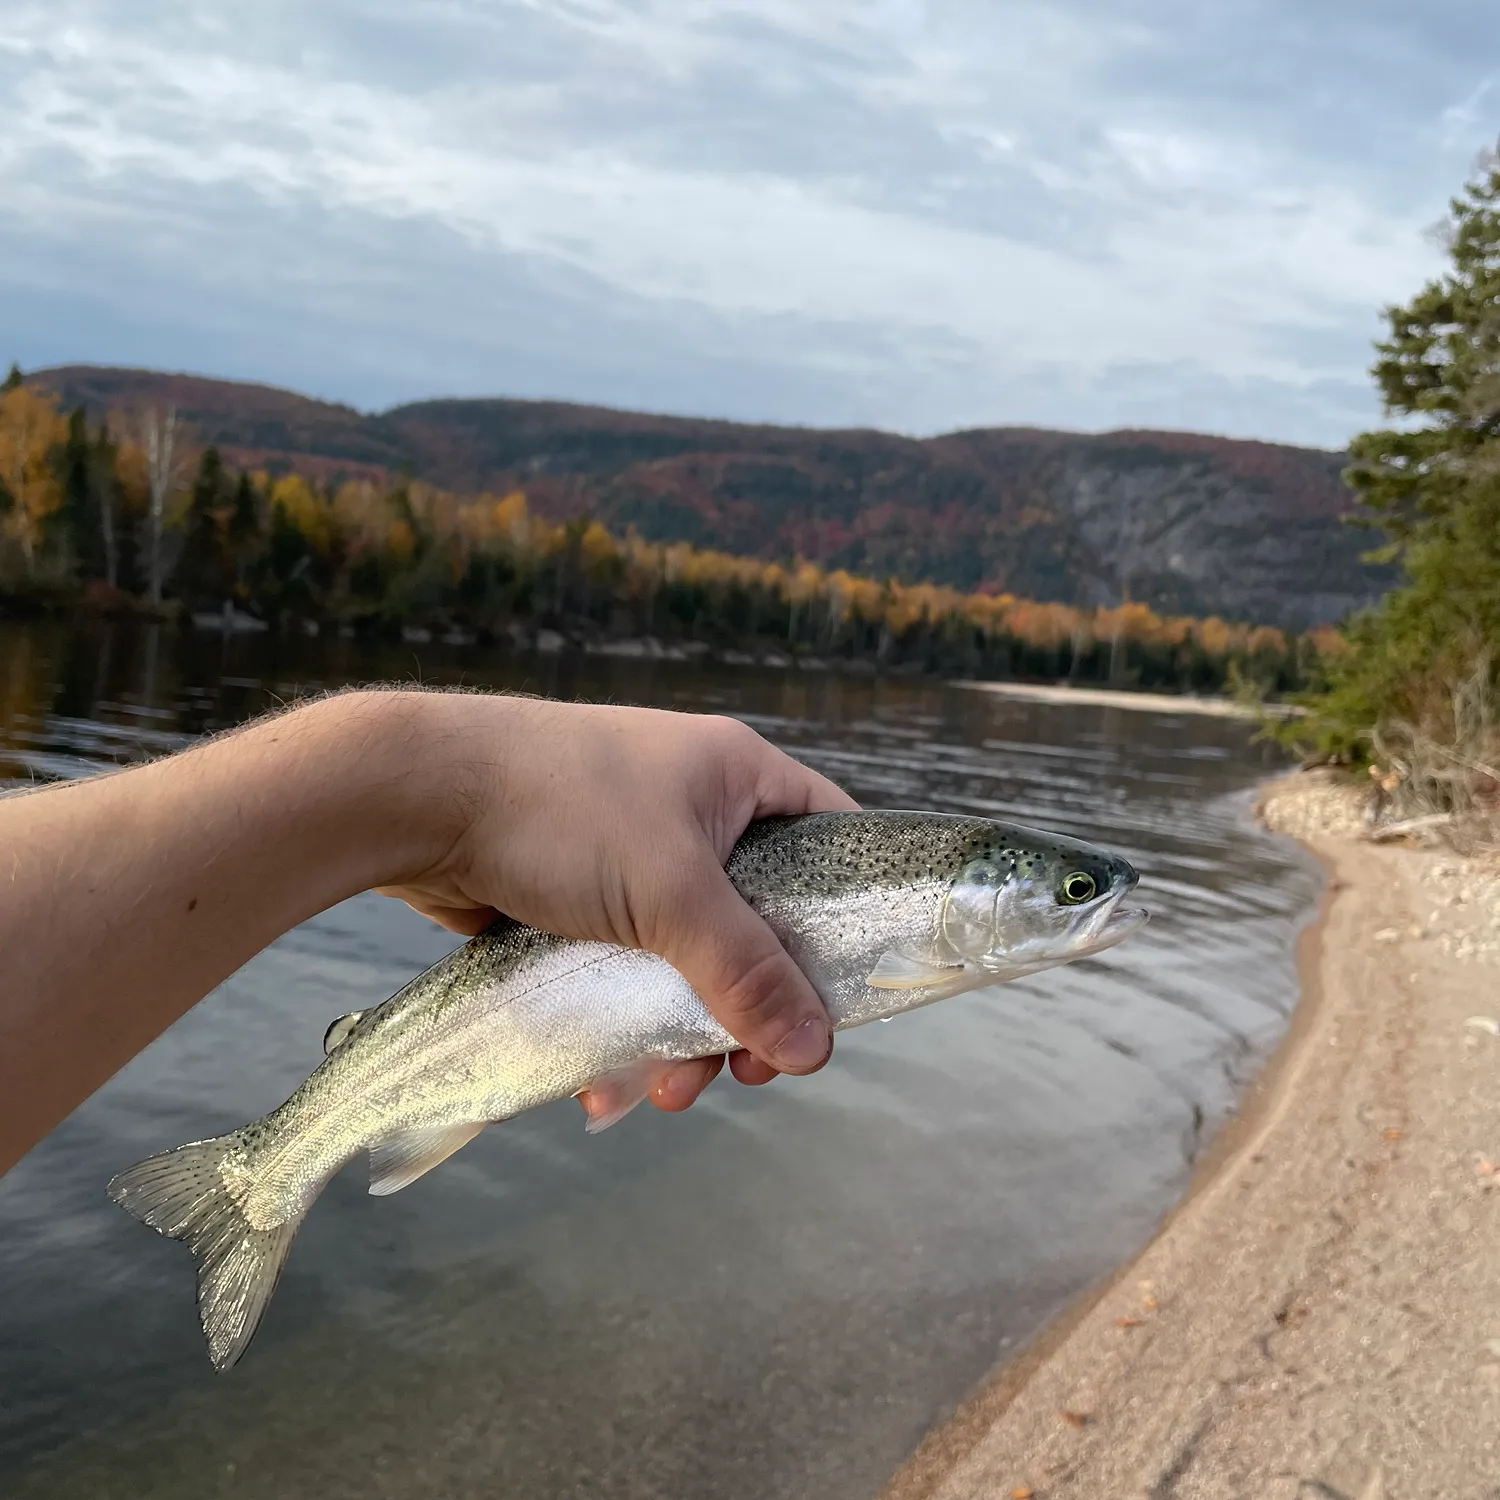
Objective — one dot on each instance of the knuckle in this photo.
(762, 995)
(733, 736)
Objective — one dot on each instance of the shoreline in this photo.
(1304, 1320)
(1178, 703)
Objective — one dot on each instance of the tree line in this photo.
(122, 511)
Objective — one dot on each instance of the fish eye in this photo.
(1077, 888)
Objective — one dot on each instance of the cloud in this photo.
(921, 215)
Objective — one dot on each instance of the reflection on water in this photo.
(774, 1295)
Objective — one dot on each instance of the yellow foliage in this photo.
(30, 428)
(1214, 636)
(132, 475)
(301, 507)
(511, 518)
(400, 542)
(596, 546)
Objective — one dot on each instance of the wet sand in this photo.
(1321, 1316)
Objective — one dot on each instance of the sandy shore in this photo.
(1320, 1319)
(1172, 703)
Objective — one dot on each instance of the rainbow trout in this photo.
(883, 911)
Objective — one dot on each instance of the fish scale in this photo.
(883, 911)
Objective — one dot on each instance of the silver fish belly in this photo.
(883, 912)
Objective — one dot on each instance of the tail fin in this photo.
(183, 1195)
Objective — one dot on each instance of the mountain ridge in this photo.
(1190, 523)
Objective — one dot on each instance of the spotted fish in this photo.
(883, 911)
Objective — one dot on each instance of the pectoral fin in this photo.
(398, 1162)
(899, 971)
(610, 1097)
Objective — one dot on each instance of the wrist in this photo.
(395, 782)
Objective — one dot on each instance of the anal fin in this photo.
(611, 1096)
(398, 1162)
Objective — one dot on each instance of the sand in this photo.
(1170, 703)
(1320, 1319)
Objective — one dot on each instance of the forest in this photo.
(128, 515)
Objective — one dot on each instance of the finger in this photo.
(750, 1070)
(786, 786)
(733, 960)
(681, 1087)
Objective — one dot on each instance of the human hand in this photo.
(613, 824)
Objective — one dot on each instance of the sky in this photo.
(920, 216)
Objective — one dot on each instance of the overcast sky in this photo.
(1075, 213)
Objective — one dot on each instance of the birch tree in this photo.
(159, 433)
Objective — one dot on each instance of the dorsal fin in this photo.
(338, 1033)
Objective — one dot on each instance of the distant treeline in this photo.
(117, 513)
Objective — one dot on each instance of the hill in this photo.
(1189, 524)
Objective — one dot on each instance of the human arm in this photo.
(126, 898)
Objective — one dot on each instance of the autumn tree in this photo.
(31, 432)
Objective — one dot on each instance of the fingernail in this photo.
(804, 1047)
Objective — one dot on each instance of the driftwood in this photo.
(1388, 831)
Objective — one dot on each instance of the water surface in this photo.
(774, 1295)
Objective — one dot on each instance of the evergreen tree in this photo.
(1440, 366)
(243, 534)
(1433, 487)
(109, 490)
(13, 380)
(76, 519)
(205, 570)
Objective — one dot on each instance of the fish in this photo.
(883, 911)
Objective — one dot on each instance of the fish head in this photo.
(1026, 900)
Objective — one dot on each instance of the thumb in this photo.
(746, 978)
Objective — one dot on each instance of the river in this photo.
(774, 1295)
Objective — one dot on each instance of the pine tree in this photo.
(1433, 487)
(1440, 366)
(76, 519)
(204, 570)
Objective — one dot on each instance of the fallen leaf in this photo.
(1149, 1302)
(1393, 1135)
(1485, 1167)
(1075, 1418)
(1022, 1492)
(1484, 1023)
(1128, 1322)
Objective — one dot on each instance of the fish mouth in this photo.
(1118, 925)
(1121, 923)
